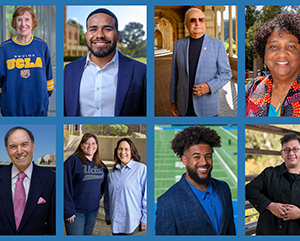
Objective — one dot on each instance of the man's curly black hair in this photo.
(193, 136)
(287, 23)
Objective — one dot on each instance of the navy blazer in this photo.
(131, 87)
(38, 219)
(179, 212)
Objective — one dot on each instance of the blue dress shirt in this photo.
(211, 204)
(125, 199)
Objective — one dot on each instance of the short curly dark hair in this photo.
(194, 135)
(287, 23)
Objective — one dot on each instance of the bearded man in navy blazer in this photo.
(197, 204)
(200, 69)
(105, 82)
(37, 217)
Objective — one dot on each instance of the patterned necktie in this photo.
(19, 199)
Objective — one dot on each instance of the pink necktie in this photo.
(19, 199)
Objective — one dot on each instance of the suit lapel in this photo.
(33, 195)
(191, 197)
(204, 50)
(186, 45)
(124, 81)
(6, 195)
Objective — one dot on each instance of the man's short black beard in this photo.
(102, 54)
(194, 176)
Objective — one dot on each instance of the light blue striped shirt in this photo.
(125, 199)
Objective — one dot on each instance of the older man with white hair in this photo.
(200, 69)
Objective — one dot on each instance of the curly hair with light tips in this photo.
(284, 23)
(193, 136)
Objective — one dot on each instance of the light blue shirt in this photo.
(211, 204)
(125, 199)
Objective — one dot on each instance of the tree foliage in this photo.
(133, 43)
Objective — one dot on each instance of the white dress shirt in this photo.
(26, 181)
(98, 87)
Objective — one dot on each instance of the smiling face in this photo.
(282, 56)
(101, 35)
(20, 149)
(124, 153)
(24, 25)
(291, 159)
(89, 148)
(195, 28)
(198, 162)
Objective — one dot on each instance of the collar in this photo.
(114, 60)
(14, 39)
(130, 164)
(28, 171)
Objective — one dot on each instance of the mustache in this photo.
(100, 39)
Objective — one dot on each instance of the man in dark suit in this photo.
(197, 204)
(27, 191)
(105, 82)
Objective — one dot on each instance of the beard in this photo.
(193, 174)
(101, 52)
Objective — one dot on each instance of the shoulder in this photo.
(39, 40)
(46, 173)
(218, 184)
(123, 58)
(76, 63)
(252, 85)
(5, 169)
(172, 193)
(6, 43)
(182, 40)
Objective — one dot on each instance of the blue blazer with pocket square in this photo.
(179, 212)
(38, 217)
(131, 87)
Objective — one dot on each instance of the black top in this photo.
(194, 53)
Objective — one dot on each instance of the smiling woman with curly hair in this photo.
(277, 44)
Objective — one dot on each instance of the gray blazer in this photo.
(213, 68)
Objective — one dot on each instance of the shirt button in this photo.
(280, 227)
(98, 88)
(100, 72)
(97, 108)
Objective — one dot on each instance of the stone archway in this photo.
(158, 41)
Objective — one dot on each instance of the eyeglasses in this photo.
(287, 150)
(194, 20)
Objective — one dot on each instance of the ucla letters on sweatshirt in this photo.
(26, 80)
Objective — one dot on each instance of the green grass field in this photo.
(169, 168)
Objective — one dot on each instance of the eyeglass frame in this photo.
(201, 20)
(294, 149)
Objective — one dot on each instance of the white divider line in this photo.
(228, 132)
(225, 165)
(234, 162)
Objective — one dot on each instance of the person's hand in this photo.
(71, 219)
(278, 209)
(201, 89)
(143, 226)
(174, 110)
(292, 212)
(108, 222)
